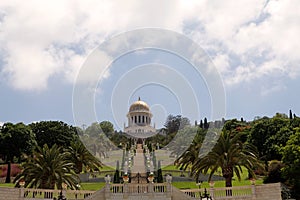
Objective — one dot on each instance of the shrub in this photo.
(274, 172)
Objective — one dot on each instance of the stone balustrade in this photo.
(158, 191)
(240, 192)
(30, 193)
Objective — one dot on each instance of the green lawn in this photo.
(7, 185)
(92, 186)
(170, 167)
(235, 182)
(84, 186)
(191, 185)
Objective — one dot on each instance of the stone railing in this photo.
(240, 192)
(158, 191)
(30, 193)
(139, 188)
(123, 191)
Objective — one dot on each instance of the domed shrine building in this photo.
(139, 120)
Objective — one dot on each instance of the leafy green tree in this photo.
(268, 134)
(82, 158)
(274, 172)
(48, 168)
(107, 127)
(229, 155)
(15, 139)
(295, 122)
(93, 130)
(98, 144)
(174, 123)
(53, 132)
(119, 139)
(291, 159)
(234, 126)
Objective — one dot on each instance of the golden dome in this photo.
(139, 106)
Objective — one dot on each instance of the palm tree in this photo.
(48, 168)
(229, 154)
(192, 153)
(81, 157)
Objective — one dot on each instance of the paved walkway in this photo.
(139, 163)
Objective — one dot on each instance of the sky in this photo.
(70, 60)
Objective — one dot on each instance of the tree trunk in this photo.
(7, 180)
(78, 169)
(228, 183)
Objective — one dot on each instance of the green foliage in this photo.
(269, 134)
(192, 153)
(53, 132)
(92, 186)
(291, 159)
(229, 154)
(96, 141)
(82, 158)
(274, 172)
(117, 173)
(15, 139)
(107, 127)
(174, 123)
(159, 173)
(48, 168)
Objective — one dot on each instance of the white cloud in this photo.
(269, 47)
(247, 39)
(221, 61)
(42, 39)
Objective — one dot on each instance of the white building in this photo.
(139, 120)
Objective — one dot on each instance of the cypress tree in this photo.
(201, 124)
(159, 173)
(206, 125)
(291, 114)
(117, 174)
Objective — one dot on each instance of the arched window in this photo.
(143, 119)
(139, 118)
(135, 119)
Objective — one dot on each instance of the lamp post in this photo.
(22, 183)
(206, 196)
(212, 184)
(151, 177)
(252, 181)
(169, 178)
(125, 178)
(107, 179)
(199, 183)
(169, 186)
(61, 196)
